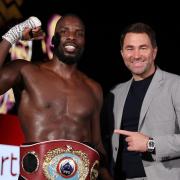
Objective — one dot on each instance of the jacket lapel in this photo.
(121, 94)
(153, 89)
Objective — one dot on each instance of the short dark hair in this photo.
(71, 15)
(139, 28)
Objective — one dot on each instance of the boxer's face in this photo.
(71, 39)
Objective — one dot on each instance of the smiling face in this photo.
(71, 39)
(139, 55)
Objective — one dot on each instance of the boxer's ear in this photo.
(56, 40)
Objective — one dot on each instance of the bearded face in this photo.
(68, 52)
(69, 40)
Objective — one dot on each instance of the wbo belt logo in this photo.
(67, 163)
(67, 167)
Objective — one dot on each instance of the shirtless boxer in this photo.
(58, 103)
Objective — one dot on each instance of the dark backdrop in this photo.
(104, 22)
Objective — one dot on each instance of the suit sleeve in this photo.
(168, 146)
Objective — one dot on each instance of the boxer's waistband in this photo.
(58, 160)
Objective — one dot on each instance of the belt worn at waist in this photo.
(58, 160)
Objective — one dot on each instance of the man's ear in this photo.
(121, 52)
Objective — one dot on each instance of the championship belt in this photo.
(59, 160)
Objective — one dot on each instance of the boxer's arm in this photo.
(27, 30)
(16, 32)
(104, 174)
(10, 74)
(4, 50)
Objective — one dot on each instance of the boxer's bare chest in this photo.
(51, 91)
